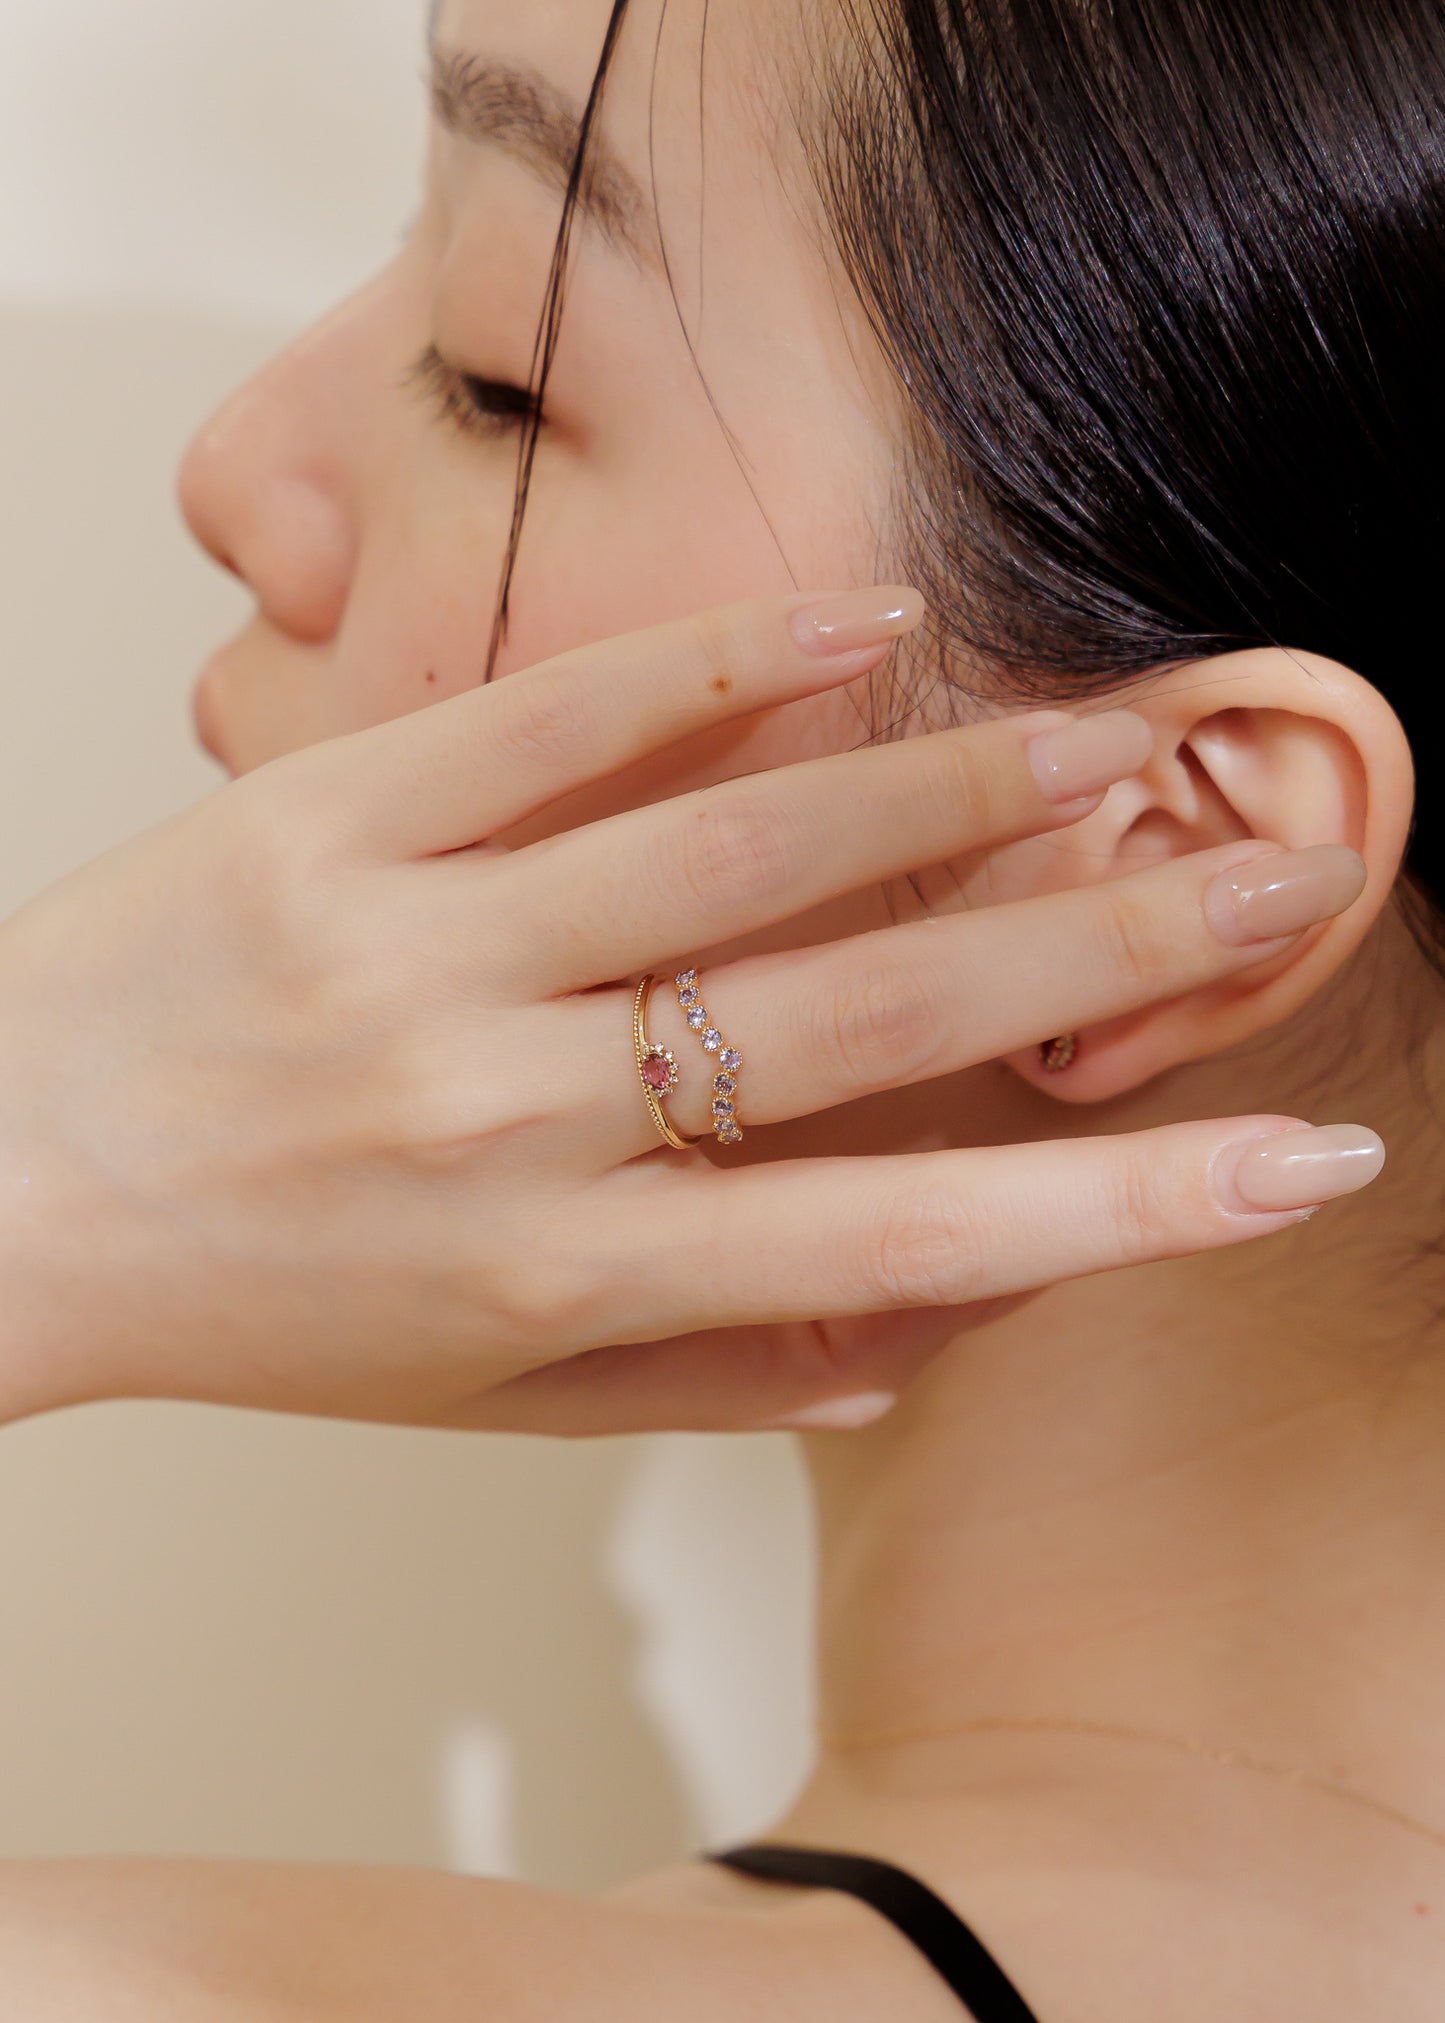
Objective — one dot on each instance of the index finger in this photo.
(454, 774)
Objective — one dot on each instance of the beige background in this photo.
(220, 1633)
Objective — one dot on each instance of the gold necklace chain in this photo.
(1114, 1731)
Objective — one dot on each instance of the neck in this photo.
(1204, 1500)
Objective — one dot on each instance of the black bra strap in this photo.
(923, 1918)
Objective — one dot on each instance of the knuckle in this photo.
(335, 996)
(513, 1299)
(925, 1252)
(264, 815)
(879, 1028)
(547, 725)
(547, 1295)
(735, 854)
(294, 811)
(275, 858)
(1130, 942)
(1149, 1204)
(721, 645)
(429, 1123)
(451, 1105)
(967, 787)
(310, 932)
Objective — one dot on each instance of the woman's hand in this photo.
(317, 1098)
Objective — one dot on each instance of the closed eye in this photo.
(488, 408)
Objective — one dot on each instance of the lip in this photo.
(206, 718)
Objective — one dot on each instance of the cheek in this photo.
(600, 559)
(665, 511)
(627, 527)
(598, 562)
(592, 566)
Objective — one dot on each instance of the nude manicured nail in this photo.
(1299, 1169)
(1090, 754)
(1280, 895)
(855, 620)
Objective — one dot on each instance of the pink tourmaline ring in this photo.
(656, 1068)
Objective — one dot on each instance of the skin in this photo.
(1201, 1497)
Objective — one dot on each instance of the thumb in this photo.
(798, 1376)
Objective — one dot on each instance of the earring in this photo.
(1056, 1055)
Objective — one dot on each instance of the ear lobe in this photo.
(1281, 747)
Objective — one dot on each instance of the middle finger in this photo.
(823, 1026)
(625, 894)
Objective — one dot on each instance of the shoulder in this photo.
(219, 1942)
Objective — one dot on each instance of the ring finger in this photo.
(826, 1025)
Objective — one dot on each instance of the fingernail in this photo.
(839, 1415)
(1280, 895)
(1089, 754)
(1298, 1169)
(855, 620)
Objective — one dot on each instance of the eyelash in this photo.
(484, 408)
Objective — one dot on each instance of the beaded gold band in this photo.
(656, 1067)
(726, 1128)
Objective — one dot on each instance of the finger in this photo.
(826, 1025)
(633, 891)
(839, 1375)
(443, 778)
(818, 1239)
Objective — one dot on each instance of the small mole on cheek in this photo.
(721, 684)
(431, 675)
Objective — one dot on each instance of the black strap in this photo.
(923, 1918)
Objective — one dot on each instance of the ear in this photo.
(1285, 747)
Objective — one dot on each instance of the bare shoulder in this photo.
(223, 1942)
(218, 1942)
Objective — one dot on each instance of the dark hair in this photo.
(1162, 284)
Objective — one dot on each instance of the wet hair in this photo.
(1162, 287)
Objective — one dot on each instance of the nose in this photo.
(267, 489)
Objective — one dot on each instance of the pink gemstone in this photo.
(658, 1073)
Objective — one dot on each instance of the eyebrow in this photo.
(524, 114)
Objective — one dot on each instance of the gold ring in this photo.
(656, 1068)
(726, 1128)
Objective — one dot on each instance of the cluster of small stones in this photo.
(724, 1116)
(1059, 1054)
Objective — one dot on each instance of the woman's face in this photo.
(708, 434)
(717, 425)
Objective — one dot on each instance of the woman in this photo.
(1110, 327)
